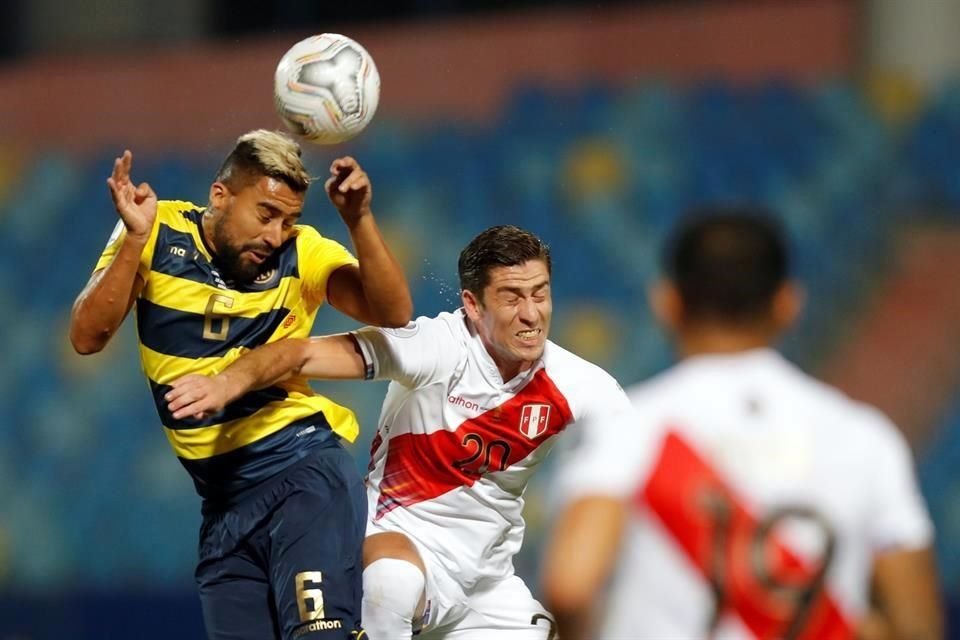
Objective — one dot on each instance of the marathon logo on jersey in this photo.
(321, 624)
(534, 419)
(460, 401)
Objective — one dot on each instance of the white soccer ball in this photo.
(326, 88)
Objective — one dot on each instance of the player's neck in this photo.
(510, 370)
(207, 224)
(722, 340)
(507, 367)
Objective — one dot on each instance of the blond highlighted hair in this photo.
(264, 153)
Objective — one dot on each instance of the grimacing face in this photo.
(251, 224)
(513, 315)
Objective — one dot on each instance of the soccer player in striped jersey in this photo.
(477, 399)
(743, 499)
(283, 504)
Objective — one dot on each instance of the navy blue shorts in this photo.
(286, 561)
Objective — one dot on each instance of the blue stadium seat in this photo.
(941, 487)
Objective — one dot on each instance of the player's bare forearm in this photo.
(579, 559)
(377, 292)
(100, 308)
(330, 357)
(573, 625)
(386, 300)
(908, 595)
(333, 357)
(196, 396)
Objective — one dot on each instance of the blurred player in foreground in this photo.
(743, 499)
(283, 504)
(476, 400)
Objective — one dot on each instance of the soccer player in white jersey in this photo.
(476, 401)
(742, 499)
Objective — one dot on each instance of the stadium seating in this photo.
(941, 486)
(93, 495)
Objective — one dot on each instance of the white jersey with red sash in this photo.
(456, 444)
(759, 496)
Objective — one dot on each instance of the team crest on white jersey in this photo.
(534, 419)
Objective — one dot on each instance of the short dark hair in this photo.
(499, 246)
(727, 263)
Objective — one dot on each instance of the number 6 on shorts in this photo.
(309, 601)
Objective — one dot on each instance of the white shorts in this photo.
(453, 611)
(502, 605)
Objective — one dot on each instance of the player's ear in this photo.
(666, 304)
(788, 303)
(471, 305)
(218, 195)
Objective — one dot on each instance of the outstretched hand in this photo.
(349, 189)
(197, 396)
(137, 205)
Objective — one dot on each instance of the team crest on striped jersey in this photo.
(534, 419)
(265, 277)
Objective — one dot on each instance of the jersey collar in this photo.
(488, 367)
(203, 245)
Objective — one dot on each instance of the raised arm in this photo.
(376, 292)
(330, 357)
(105, 301)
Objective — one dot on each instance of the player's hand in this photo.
(349, 189)
(137, 205)
(197, 396)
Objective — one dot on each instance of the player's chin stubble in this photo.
(229, 257)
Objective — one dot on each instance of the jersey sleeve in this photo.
(116, 241)
(608, 449)
(899, 517)
(424, 351)
(317, 258)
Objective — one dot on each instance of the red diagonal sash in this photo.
(751, 572)
(423, 466)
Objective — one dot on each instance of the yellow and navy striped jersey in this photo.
(191, 320)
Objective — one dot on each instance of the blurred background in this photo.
(593, 124)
